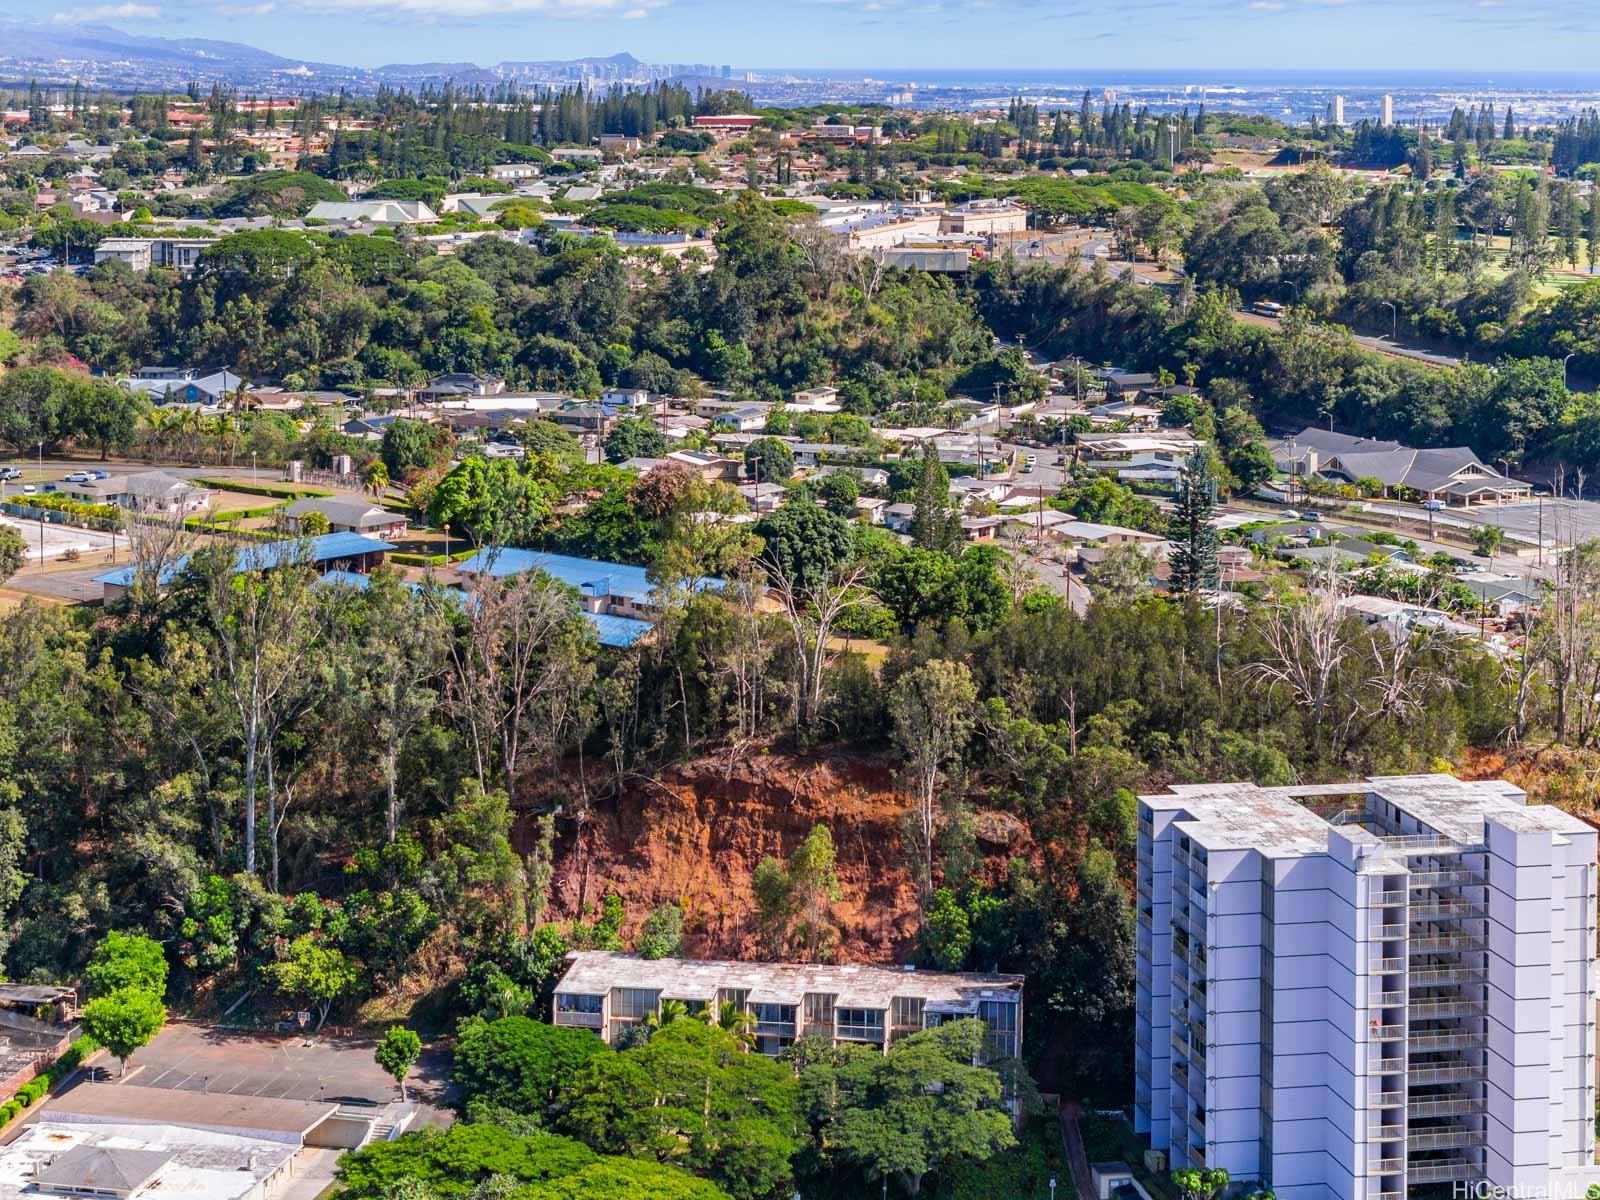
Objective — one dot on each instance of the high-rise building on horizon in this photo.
(1336, 110)
(1388, 111)
(1350, 991)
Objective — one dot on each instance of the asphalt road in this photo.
(1379, 344)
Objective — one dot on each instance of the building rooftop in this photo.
(263, 556)
(102, 1169)
(1279, 822)
(128, 1104)
(854, 985)
(591, 577)
(137, 1159)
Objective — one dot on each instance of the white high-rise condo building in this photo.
(1388, 111)
(1355, 990)
(1336, 110)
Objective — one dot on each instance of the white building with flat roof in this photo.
(1350, 991)
(853, 1002)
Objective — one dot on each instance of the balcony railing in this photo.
(1441, 1170)
(1384, 899)
(1385, 1166)
(1387, 1033)
(1445, 942)
(1451, 1139)
(1385, 1099)
(1421, 1010)
(1386, 999)
(1451, 877)
(1445, 908)
(1446, 1041)
(1461, 1107)
(1426, 976)
(1386, 966)
(1419, 1076)
(1386, 933)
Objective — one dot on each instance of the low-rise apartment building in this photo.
(608, 991)
(1352, 991)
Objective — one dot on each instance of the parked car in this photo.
(97, 474)
(78, 477)
(29, 490)
(1289, 514)
(10, 473)
(1313, 517)
(1433, 505)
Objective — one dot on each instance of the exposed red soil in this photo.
(694, 835)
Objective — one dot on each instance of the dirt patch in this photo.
(695, 836)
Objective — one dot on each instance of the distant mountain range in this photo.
(103, 56)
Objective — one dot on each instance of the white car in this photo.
(78, 477)
(1433, 506)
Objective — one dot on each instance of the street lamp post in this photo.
(1564, 363)
(1394, 319)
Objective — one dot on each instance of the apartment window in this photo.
(906, 1012)
(819, 1008)
(1000, 1034)
(573, 1002)
(861, 1024)
(633, 1003)
(738, 997)
(773, 1014)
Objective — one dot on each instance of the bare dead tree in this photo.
(157, 540)
(264, 620)
(811, 613)
(520, 680)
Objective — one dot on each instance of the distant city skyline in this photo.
(897, 37)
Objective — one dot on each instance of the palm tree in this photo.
(740, 1022)
(670, 1011)
(376, 478)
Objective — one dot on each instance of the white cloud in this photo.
(1266, 6)
(107, 12)
(446, 9)
(247, 10)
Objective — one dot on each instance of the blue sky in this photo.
(1472, 35)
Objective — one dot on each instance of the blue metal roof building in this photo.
(591, 577)
(608, 630)
(263, 556)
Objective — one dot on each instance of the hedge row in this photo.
(281, 491)
(36, 1088)
(66, 504)
(431, 560)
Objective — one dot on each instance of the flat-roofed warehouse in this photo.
(124, 1142)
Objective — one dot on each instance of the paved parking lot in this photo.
(199, 1058)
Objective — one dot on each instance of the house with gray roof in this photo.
(346, 514)
(1451, 474)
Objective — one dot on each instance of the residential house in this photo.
(513, 172)
(1450, 474)
(618, 599)
(372, 212)
(461, 384)
(898, 518)
(145, 491)
(1127, 383)
(188, 387)
(347, 514)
